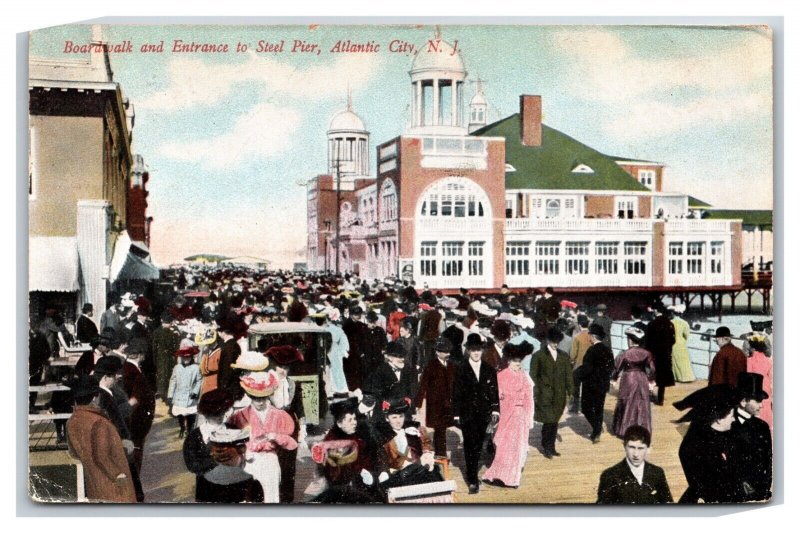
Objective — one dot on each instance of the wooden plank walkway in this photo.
(571, 478)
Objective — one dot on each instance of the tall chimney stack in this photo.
(530, 112)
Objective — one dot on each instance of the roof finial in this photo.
(437, 33)
(349, 98)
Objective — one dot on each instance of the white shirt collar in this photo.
(476, 367)
(743, 414)
(107, 390)
(637, 471)
(553, 351)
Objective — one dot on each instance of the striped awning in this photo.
(53, 264)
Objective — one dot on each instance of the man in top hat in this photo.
(85, 328)
(393, 378)
(755, 437)
(729, 361)
(476, 404)
(551, 372)
(374, 344)
(634, 479)
(101, 345)
(546, 312)
(659, 340)
(165, 341)
(436, 392)
(431, 325)
(94, 440)
(594, 376)
(356, 332)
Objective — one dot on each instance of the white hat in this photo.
(253, 361)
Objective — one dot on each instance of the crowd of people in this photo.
(403, 366)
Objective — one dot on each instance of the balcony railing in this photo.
(684, 225)
(580, 224)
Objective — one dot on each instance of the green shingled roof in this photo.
(550, 165)
(696, 202)
(749, 217)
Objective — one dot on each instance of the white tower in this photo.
(348, 147)
(477, 110)
(437, 79)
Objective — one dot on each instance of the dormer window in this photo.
(582, 169)
(647, 177)
(510, 168)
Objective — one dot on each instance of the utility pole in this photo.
(337, 163)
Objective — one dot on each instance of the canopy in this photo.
(127, 263)
(54, 264)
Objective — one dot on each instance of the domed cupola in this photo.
(348, 144)
(477, 109)
(437, 78)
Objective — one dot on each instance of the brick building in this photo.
(457, 203)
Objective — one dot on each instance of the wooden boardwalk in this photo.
(571, 478)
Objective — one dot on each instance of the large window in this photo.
(626, 207)
(452, 254)
(517, 258)
(577, 257)
(427, 252)
(475, 264)
(547, 253)
(675, 258)
(553, 208)
(606, 252)
(694, 257)
(635, 257)
(453, 197)
(717, 250)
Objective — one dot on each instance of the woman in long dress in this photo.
(635, 369)
(681, 363)
(516, 420)
(759, 362)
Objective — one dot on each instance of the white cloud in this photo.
(651, 118)
(263, 131)
(193, 82)
(605, 68)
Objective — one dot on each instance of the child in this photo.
(184, 389)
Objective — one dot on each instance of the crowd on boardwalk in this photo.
(402, 367)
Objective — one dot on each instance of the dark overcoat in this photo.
(659, 340)
(384, 385)
(553, 383)
(475, 399)
(436, 388)
(755, 440)
(619, 485)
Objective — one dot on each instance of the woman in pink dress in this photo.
(516, 419)
(270, 428)
(758, 362)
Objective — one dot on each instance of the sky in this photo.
(231, 138)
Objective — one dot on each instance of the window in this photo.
(452, 252)
(569, 204)
(606, 252)
(553, 208)
(451, 198)
(694, 257)
(626, 207)
(475, 252)
(577, 257)
(647, 177)
(517, 262)
(509, 208)
(459, 208)
(717, 249)
(546, 253)
(635, 257)
(427, 252)
(676, 258)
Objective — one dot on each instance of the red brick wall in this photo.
(658, 254)
(599, 206)
(633, 170)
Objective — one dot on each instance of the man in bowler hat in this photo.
(729, 362)
(594, 375)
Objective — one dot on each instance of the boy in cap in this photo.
(436, 392)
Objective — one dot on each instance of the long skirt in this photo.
(511, 448)
(633, 408)
(264, 467)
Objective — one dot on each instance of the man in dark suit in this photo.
(436, 390)
(551, 372)
(659, 340)
(594, 375)
(392, 378)
(634, 480)
(755, 438)
(476, 403)
(85, 328)
(374, 344)
(356, 332)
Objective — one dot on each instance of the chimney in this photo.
(530, 112)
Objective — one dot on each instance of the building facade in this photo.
(457, 202)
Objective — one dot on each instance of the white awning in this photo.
(127, 265)
(53, 264)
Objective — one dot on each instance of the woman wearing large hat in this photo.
(270, 429)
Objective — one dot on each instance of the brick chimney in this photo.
(530, 112)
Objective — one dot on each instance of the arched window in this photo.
(553, 208)
(388, 211)
(454, 198)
